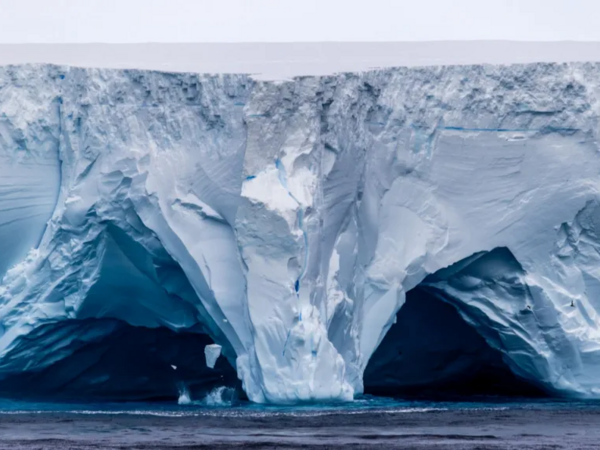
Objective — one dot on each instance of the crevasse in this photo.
(134, 201)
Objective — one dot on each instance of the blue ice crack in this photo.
(282, 175)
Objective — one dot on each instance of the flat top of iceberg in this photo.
(273, 61)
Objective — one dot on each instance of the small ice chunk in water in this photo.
(212, 353)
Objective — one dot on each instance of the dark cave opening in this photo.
(110, 360)
(431, 352)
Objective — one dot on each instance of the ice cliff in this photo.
(287, 221)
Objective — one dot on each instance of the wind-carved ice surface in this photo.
(288, 220)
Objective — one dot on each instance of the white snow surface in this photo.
(278, 61)
(290, 218)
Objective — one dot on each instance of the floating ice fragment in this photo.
(212, 353)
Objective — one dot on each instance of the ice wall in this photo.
(289, 219)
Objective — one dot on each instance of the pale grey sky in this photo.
(121, 21)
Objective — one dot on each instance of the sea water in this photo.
(222, 419)
(222, 401)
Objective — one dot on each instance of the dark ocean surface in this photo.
(370, 422)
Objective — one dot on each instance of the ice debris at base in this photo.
(220, 396)
(212, 353)
(288, 219)
(184, 397)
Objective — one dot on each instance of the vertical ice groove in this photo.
(29, 166)
(282, 175)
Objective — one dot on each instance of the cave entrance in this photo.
(139, 333)
(111, 360)
(432, 352)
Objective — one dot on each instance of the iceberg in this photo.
(286, 223)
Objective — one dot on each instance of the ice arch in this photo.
(445, 344)
(136, 330)
(125, 252)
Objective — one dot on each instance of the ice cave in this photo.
(403, 231)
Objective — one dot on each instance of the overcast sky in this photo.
(296, 20)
